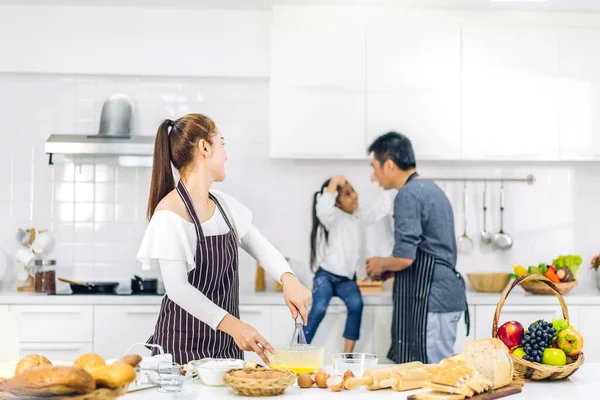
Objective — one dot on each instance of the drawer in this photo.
(116, 328)
(56, 351)
(54, 324)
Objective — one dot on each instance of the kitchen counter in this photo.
(582, 386)
(578, 296)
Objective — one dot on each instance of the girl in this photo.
(193, 237)
(336, 252)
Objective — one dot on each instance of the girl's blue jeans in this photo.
(325, 286)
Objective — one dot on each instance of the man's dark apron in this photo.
(216, 276)
(411, 291)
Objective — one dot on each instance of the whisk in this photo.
(298, 338)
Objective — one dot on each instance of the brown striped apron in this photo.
(216, 276)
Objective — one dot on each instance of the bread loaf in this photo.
(490, 358)
(89, 361)
(50, 381)
(31, 361)
(114, 375)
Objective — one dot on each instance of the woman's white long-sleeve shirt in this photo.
(344, 252)
(169, 243)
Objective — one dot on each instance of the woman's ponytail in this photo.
(162, 175)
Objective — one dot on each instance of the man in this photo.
(429, 294)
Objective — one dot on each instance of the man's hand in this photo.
(375, 267)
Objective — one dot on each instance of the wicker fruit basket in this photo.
(538, 287)
(260, 386)
(98, 394)
(492, 282)
(530, 370)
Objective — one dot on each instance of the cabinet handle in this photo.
(251, 311)
(51, 311)
(142, 310)
(36, 347)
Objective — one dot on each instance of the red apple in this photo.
(511, 333)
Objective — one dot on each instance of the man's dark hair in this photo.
(396, 147)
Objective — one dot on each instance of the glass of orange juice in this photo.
(298, 358)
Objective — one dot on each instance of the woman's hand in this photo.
(246, 337)
(296, 296)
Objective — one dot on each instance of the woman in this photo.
(193, 237)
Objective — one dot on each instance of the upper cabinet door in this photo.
(579, 93)
(317, 83)
(413, 85)
(307, 49)
(510, 87)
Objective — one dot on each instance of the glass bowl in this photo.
(299, 358)
(358, 363)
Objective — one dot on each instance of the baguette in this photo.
(131, 359)
(51, 381)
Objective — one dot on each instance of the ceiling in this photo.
(548, 5)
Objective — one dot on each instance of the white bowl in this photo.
(211, 370)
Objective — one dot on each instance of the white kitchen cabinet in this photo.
(461, 331)
(57, 351)
(307, 50)
(413, 85)
(382, 332)
(315, 123)
(526, 315)
(281, 327)
(317, 85)
(579, 90)
(258, 317)
(589, 326)
(116, 328)
(54, 324)
(510, 87)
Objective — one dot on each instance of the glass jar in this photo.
(45, 276)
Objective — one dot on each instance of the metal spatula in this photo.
(298, 338)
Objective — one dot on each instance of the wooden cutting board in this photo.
(515, 387)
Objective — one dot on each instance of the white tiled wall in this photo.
(97, 212)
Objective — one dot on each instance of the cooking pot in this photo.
(144, 285)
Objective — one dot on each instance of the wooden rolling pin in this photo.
(408, 379)
(372, 378)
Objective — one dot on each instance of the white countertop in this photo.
(578, 296)
(583, 385)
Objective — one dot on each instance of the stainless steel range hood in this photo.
(113, 139)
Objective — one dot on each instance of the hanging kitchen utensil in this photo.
(298, 338)
(502, 240)
(91, 287)
(486, 237)
(465, 244)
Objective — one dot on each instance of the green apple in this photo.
(555, 357)
(519, 352)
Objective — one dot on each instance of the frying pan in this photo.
(91, 287)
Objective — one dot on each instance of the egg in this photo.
(335, 383)
(305, 381)
(321, 379)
